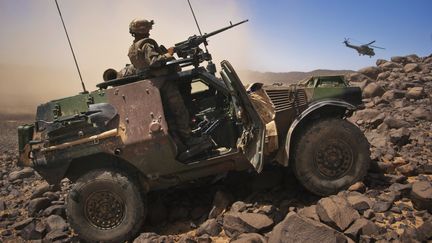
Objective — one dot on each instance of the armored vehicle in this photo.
(115, 143)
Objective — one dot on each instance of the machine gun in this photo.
(192, 54)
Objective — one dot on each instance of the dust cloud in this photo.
(36, 64)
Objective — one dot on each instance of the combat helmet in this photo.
(140, 26)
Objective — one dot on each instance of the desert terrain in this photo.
(392, 204)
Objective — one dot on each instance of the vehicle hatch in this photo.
(251, 142)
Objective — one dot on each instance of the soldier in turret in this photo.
(147, 56)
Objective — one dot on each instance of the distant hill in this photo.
(249, 76)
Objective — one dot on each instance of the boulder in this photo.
(238, 223)
(421, 195)
(249, 238)
(295, 228)
(399, 136)
(380, 62)
(37, 204)
(336, 212)
(371, 72)
(373, 90)
(21, 174)
(392, 122)
(33, 231)
(361, 227)
(381, 206)
(357, 77)
(390, 65)
(412, 58)
(359, 201)
(209, 227)
(415, 93)
(399, 59)
(309, 212)
(55, 222)
(40, 190)
(383, 75)
(390, 95)
(56, 236)
(411, 67)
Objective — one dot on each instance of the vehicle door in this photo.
(251, 141)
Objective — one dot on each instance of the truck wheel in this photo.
(330, 155)
(106, 206)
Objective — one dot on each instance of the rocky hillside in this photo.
(393, 204)
(248, 76)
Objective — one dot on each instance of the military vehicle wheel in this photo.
(106, 206)
(330, 155)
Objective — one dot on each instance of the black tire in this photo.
(330, 155)
(106, 206)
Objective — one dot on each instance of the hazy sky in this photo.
(36, 64)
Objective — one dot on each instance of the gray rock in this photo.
(358, 77)
(407, 170)
(359, 201)
(336, 212)
(415, 93)
(21, 224)
(238, 223)
(209, 227)
(390, 65)
(37, 204)
(380, 62)
(361, 227)
(400, 136)
(221, 201)
(421, 195)
(392, 122)
(295, 228)
(59, 210)
(381, 206)
(21, 174)
(239, 206)
(373, 90)
(40, 190)
(411, 67)
(56, 235)
(371, 72)
(309, 212)
(55, 222)
(152, 238)
(399, 59)
(422, 114)
(249, 238)
(390, 95)
(33, 231)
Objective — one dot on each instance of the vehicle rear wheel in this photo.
(330, 155)
(106, 206)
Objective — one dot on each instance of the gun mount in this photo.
(190, 53)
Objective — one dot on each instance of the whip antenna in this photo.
(70, 45)
(196, 22)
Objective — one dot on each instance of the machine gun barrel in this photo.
(194, 41)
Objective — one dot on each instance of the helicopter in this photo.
(363, 49)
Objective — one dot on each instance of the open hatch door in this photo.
(251, 141)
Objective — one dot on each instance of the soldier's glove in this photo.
(170, 51)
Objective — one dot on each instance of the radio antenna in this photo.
(196, 22)
(70, 45)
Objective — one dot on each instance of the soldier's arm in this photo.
(153, 57)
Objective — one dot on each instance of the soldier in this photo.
(147, 56)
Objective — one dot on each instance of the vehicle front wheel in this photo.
(330, 155)
(106, 206)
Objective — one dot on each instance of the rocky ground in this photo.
(394, 203)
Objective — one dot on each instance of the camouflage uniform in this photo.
(146, 55)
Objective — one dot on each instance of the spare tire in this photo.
(330, 155)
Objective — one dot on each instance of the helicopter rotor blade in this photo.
(377, 47)
(370, 43)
